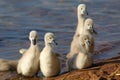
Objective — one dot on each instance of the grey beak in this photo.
(34, 42)
(55, 42)
(94, 31)
(89, 43)
(86, 12)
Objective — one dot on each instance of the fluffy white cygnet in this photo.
(49, 63)
(28, 64)
(89, 30)
(84, 58)
(74, 48)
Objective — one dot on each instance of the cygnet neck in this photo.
(80, 26)
(47, 44)
(48, 47)
(80, 17)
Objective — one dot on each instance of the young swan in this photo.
(49, 62)
(28, 65)
(89, 30)
(81, 12)
(84, 58)
(8, 65)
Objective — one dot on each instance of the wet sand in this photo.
(107, 69)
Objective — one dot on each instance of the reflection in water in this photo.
(17, 18)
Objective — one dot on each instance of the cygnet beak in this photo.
(55, 42)
(34, 41)
(93, 30)
(89, 43)
(86, 12)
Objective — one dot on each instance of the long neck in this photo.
(80, 17)
(31, 45)
(48, 46)
(33, 48)
(80, 23)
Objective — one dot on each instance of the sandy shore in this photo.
(108, 69)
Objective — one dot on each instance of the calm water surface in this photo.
(19, 17)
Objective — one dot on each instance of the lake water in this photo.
(19, 17)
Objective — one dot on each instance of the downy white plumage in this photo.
(84, 58)
(49, 63)
(81, 12)
(28, 64)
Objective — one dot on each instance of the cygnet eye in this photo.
(85, 39)
(81, 8)
(50, 37)
(78, 35)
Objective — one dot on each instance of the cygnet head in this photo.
(82, 9)
(84, 40)
(33, 37)
(49, 38)
(89, 25)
